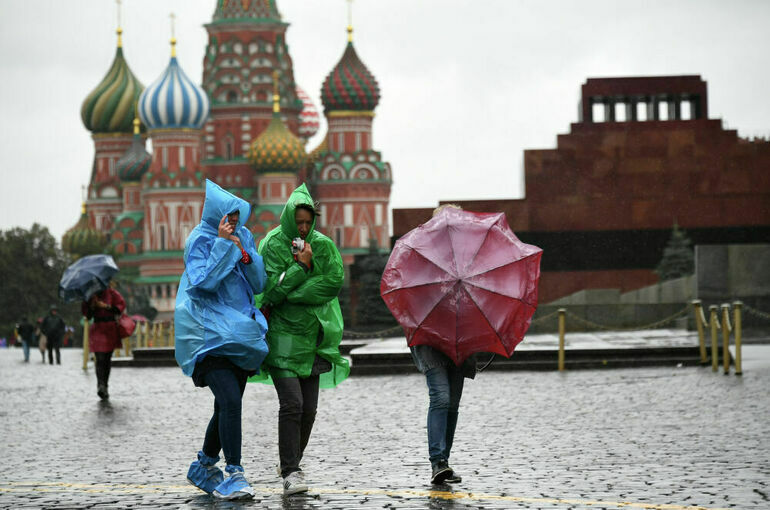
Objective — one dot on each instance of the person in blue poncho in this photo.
(220, 335)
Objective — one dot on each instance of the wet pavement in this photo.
(671, 438)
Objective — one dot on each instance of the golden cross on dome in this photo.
(172, 17)
(276, 96)
(119, 30)
(350, 20)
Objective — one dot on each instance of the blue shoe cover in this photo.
(234, 486)
(204, 474)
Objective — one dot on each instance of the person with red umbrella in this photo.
(459, 284)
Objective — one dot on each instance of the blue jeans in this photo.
(445, 388)
(25, 347)
(224, 429)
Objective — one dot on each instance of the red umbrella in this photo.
(463, 283)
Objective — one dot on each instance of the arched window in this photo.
(232, 96)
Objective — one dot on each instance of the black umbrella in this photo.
(86, 277)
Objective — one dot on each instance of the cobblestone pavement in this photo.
(669, 438)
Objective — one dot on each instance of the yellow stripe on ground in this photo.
(406, 493)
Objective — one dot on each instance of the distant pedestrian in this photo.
(26, 332)
(42, 341)
(305, 274)
(53, 327)
(220, 334)
(104, 308)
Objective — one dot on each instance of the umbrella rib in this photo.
(431, 310)
(497, 335)
(486, 270)
(486, 234)
(427, 283)
(498, 293)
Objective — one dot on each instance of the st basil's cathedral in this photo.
(245, 127)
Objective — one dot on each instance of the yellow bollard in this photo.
(562, 316)
(714, 345)
(726, 338)
(737, 319)
(162, 340)
(86, 327)
(171, 337)
(700, 320)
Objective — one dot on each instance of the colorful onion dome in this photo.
(251, 10)
(309, 120)
(173, 100)
(82, 239)
(350, 85)
(277, 149)
(136, 160)
(110, 107)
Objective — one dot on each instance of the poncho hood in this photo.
(288, 223)
(220, 202)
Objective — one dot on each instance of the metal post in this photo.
(86, 347)
(700, 320)
(562, 316)
(714, 345)
(171, 337)
(726, 338)
(737, 316)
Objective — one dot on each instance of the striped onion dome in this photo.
(309, 120)
(173, 100)
(82, 239)
(110, 107)
(136, 160)
(350, 85)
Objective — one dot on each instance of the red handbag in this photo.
(126, 326)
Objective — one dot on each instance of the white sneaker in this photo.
(294, 483)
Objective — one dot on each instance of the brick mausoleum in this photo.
(643, 155)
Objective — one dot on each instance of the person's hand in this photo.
(306, 255)
(236, 241)
(225, 229)
(101, 304)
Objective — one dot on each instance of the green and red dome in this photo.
(350, 85)
(136, 160)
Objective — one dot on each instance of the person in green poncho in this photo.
(304, 275)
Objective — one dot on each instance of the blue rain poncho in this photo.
(215, 311)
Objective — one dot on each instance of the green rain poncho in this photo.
(301, 302)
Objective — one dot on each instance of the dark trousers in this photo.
(445, 389)
(103, 366)
(53, 345)
(224, 429)
(298, 400)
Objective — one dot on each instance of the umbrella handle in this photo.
(479, 370)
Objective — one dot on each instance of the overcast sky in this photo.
(466, 85)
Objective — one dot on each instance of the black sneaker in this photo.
(102, 392)
(441, 471)
(454, 477)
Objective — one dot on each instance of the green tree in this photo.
(31, 265)
(678, 259)
(371, 311)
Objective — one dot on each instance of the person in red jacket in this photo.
(104, 307)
